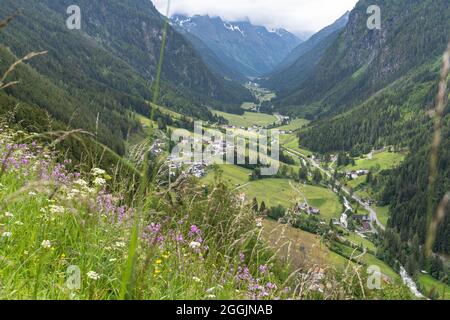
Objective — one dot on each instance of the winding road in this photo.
(372, 213)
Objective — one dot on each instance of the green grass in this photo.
(234, 175)
(370, 260)
(298, 244)
(286, 193)
(294, 125)
(380, 161)
(62, 220)
(324, 199)
(248, 105)
(358, 240)
(273, 192)
(428, 283)
(248, 119)
(290, 141)
(383, 214)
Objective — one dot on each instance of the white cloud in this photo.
(299, 16)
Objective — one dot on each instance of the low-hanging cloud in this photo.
(298, 16)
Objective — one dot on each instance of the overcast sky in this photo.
(298, 16)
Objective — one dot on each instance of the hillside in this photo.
(361, 61)
(374, 89)
(109, 72)
(300, 63)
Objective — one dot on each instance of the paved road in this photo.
(372, 212)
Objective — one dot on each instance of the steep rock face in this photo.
(362, 61)
(248, 49)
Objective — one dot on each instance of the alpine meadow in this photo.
(199, 151)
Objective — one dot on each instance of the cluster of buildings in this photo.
(354, 174)
(305, 208)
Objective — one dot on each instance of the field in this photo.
(290, 141)
(234, 175)
(324, 199)
(300, 248)
(294, 125)
(358, 240)
(248, 119)
(248, 105)
(383, 214)
(273, 192)
(380, 161)
(370, 260)
(285, 192)
(429, 283)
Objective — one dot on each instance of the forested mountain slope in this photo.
(109, 65)
(378, 88)
(300, 63)
(362, 61)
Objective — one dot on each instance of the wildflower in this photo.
(154, 227)
(259, 223)
(158, 261)
(165, 256)
(195, 244)
(7, 234)
(210, 296)
(81, 183)
(194, 230)
(56, 209)
(9, 215)
(99, 182)
(32, 194)
(157, 271)
(46, 244)
(98, 172)
(263, 269)
(18, 223)
(196, 279)
(93, 275)
(112, 260)
(120, 244)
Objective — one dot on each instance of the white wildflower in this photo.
(98, 172)
(7, 234)
(9, 215)
(196, 279)
(46, 244)
(120, 244)
(32, 194)
(56, 209)
(19, 223)
(81, 183)
(195, 244)
(93, 275)
(99, 182)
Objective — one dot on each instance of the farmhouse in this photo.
(305, 208)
